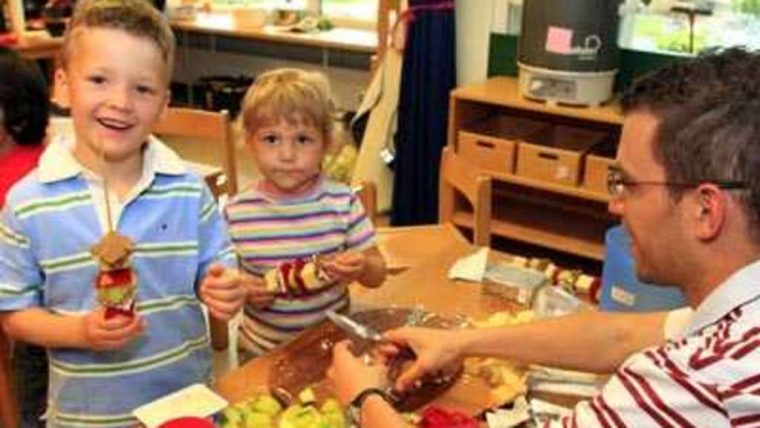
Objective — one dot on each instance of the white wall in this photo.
(473, 22)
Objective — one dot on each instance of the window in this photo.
(360, 10)
(672, 26)
(361, 13)
(691, 26)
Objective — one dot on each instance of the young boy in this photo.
(305, 236)
(113, 178)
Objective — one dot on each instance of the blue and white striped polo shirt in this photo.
(47, 227)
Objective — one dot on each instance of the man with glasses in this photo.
(688, 192)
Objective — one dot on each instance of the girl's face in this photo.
(289, 155)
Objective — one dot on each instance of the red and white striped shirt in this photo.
(709, 377)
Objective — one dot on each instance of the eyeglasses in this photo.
(617, 183)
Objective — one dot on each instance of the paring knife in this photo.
(350, 326)
(365, 332)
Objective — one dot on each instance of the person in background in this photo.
(688, 191)
(112, 177)
(24, 115)
(309, 236)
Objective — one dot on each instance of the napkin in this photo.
(508, 418)
(195, 400)
(471, 267)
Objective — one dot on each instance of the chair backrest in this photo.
(9, 414)
(204, 139)
(366, 191)
(458, 176)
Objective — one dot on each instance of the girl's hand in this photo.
(256, 291)
(223, 292)
(346, 267)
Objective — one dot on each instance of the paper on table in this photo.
(193, 401)
(471, 267)
(503, 418)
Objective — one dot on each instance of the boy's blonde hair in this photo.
(291, 94)
(136, 17)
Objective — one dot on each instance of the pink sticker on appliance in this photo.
(559, 39)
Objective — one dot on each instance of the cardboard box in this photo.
(599, 162)
(491, 144)
(557, 155)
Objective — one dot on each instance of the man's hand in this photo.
(436, 350)
(256, 291)
(223, 292)
(350, 375)
(103, 334)
(347, 266)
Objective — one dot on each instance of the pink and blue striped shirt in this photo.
(267, 232)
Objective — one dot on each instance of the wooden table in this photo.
(428, 252)
(405, 247)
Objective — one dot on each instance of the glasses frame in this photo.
(617, 182)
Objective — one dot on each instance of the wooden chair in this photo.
(9, 415)
(366, 191)
(205, 141)
(458, 176)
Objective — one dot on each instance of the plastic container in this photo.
(513, 282)
(621, 290)
(553, 301)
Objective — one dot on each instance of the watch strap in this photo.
(355, 407)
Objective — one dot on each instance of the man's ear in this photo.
(710, 211)
(61, 88)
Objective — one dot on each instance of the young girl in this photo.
(303, 236)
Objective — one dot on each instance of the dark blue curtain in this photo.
(427, 76)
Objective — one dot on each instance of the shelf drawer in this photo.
(490, 153)
(596, 171)
(491, 143)
(557, 155)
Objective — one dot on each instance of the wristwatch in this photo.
(354, 410)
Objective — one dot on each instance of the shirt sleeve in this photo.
(361, 233)
(652, 388)
(214, 245)
(20, 276)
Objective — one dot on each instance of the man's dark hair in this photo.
(24, 100)
(709, 121)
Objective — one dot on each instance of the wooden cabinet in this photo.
(549, 165)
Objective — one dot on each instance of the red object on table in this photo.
(188, 422)
(438, 417)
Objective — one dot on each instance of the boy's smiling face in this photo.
(116, 84)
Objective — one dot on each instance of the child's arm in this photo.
(367, 267)
(87, 331)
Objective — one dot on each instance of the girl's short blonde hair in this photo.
(291, 94)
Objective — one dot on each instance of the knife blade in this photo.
(350, 326)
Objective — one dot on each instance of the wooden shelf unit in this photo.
(566, 218)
